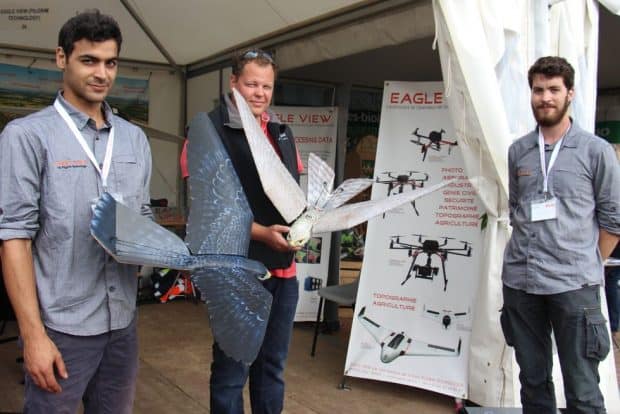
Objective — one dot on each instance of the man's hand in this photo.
(40, 357)
(273, 236)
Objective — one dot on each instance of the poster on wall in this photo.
(413, 313)
(315, 131)
(31, 88)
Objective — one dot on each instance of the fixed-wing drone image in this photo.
(429, 247)
(218, 237)
(400, 181)
(445, 317)
(323, 210)
(395, 344)
(435, 141)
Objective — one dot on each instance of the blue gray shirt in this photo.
(560, 255)
(47, 186)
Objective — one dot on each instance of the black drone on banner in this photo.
(429, 247)
(400, 181)
(435, 140)
(445, 317)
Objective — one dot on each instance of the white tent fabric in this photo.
(34, 24)
(486, 48)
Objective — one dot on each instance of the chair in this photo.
(343, 295)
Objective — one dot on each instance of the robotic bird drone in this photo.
(323, 211)
(218, 236)
(395, 344)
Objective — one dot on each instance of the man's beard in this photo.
(551, 119)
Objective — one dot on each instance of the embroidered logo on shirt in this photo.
(522, 173)
(66, 164)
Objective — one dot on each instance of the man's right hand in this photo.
(273, 236)
(40, 357)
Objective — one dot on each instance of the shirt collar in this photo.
(571, 139)
(79, 117)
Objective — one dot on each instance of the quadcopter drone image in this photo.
(395, 344)
(444, 316)
(429, 247)
(435, 140)
(400, 181)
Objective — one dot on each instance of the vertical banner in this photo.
(413, 313)
(315, 130)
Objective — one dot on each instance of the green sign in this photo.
(610, 130)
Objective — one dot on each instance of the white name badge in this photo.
(544, 210)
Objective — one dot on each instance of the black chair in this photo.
(343, 295)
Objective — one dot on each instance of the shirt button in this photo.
(112, 289)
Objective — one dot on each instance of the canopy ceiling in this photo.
(189, 30)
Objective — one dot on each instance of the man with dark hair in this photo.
(253, 75)
(74, 304)
(564, 186)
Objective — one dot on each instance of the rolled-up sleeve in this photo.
(145, 204)
(607, 190)
(20, 172)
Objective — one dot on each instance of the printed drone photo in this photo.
(311, 252)
(399, 181)
(449, 319)
(398, 343)
(429, 247)
(433, 140)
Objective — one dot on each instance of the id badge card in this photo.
(544, 209)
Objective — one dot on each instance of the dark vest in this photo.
(265, 213)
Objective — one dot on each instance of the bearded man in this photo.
(564, 186)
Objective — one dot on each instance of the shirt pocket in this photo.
(529, 186)
(570, 183)
(128, 179)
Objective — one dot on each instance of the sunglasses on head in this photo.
(255, 54)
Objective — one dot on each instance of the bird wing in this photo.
(353, 214)
(134, 239)
(238, 307)
(220, 217)
(320, 181)
(346, 191)
(277, 182)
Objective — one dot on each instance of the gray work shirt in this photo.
(560, 255)
(47, 186)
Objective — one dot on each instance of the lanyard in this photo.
(554, 155)
(107, 159)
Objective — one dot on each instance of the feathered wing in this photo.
(238, 308)
(320, 181)
(346, 191)
(277, 182)
(353, 214)
(220, 217)
(134, 239)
